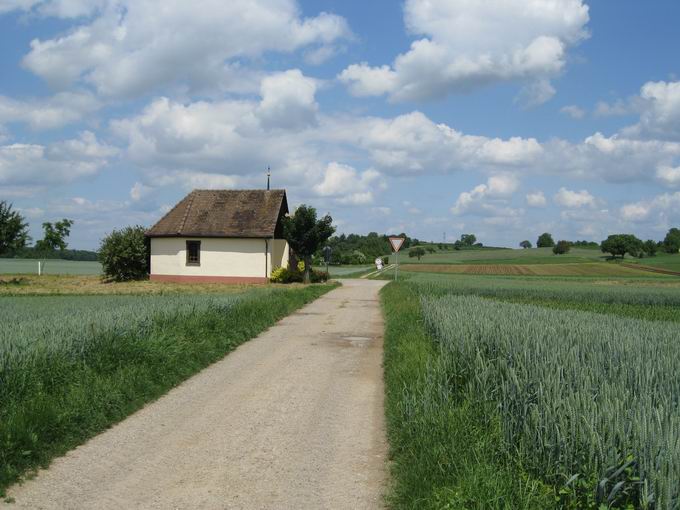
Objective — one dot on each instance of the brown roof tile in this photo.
(224, 213)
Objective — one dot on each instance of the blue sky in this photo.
(505, 118)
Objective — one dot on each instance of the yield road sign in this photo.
(396, 243)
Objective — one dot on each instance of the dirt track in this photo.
(291, 419)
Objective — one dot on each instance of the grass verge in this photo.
(444, 450)
(57, 401)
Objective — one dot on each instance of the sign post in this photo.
(396, 243)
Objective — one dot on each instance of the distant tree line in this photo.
(360, 249)
(617, 245)
(14, 238)
(31, 252)
(364, 249)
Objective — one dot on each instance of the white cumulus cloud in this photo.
(466, 45)
(132, 47)
(663, 209)
(48, 113)
(536, 199)
(287, 100)
(659, 105)
(490, 199)
(35, 166)
(349, 186)
(668, 175)
(574, 199)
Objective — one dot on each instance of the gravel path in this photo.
(292, 419)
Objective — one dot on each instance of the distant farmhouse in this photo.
(231, 236)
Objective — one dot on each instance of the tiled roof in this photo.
(224, 213)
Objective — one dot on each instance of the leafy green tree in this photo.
(124, 254)
(306, 234)
(525, 244)
(620, 244)
(13, 229)
(416, 252)
(55, 235)
(358, 257)
(545, 240)
(650, 247)
(468, 239)
(671, 243)
(561, 247)
(430, 249)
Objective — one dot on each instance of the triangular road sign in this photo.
(396, 243)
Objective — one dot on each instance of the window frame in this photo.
(196, 243)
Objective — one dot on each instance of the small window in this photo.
(193, 253)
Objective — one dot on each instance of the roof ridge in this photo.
(238, 190)
(186, 211)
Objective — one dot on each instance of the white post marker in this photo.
(396, 243)
(378, 264)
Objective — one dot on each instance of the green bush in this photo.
(287, 275)
(124, 254)
(650, 247)
(319, 276)
(561, 248)
(358, 257)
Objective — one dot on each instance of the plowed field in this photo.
(587, 269)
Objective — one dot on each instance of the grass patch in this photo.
(670, 261)
(347, 271)
(57, 390)
(50, 266)
(443, 447)
(60, 285)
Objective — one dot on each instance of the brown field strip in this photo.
(93, 284)
(652, 269)
(586, 269)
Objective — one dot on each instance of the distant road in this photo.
(291, 419)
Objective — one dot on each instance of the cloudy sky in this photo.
(505, 118)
